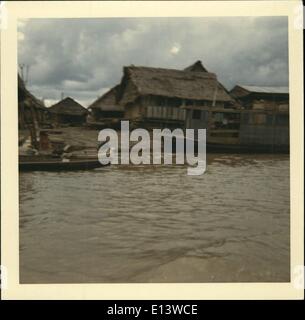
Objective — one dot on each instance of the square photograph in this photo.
(99, 202)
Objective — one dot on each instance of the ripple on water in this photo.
(113, 224)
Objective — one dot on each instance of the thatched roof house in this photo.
(68, 106)
(106, 111)
(108, 101)
(30, 109)
(68, 111)
(265, 122)
(27, 98)
(157, 94)
(189, 86)
(255, 97)
(243, 90)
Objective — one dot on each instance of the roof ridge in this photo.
(171, 69)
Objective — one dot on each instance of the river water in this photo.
(157, 224)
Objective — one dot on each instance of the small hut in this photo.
(259, 97)
(68, 111)
(31, 111)
(265, 120)
(105, 111)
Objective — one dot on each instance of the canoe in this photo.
(55, 165)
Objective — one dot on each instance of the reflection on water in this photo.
(156, 224)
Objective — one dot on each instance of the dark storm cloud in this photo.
(84, 57)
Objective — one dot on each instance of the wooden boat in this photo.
(57, 165)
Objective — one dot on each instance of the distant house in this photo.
(256, 120)
(31, 111)
(257, 97)
(267, 121)
(157, 97)
(105, 111)
(68, 111)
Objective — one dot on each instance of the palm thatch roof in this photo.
(108, 101)
(171, 83)
(196, 67)
(68, 106)
(192, 83)
(241, 91)
(26, 98)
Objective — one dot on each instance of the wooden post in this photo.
(34, 128)
(273, 129)
(215, 95)
(44, 141)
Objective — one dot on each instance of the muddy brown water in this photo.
(157, 224)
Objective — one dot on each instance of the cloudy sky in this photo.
(82, 58)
